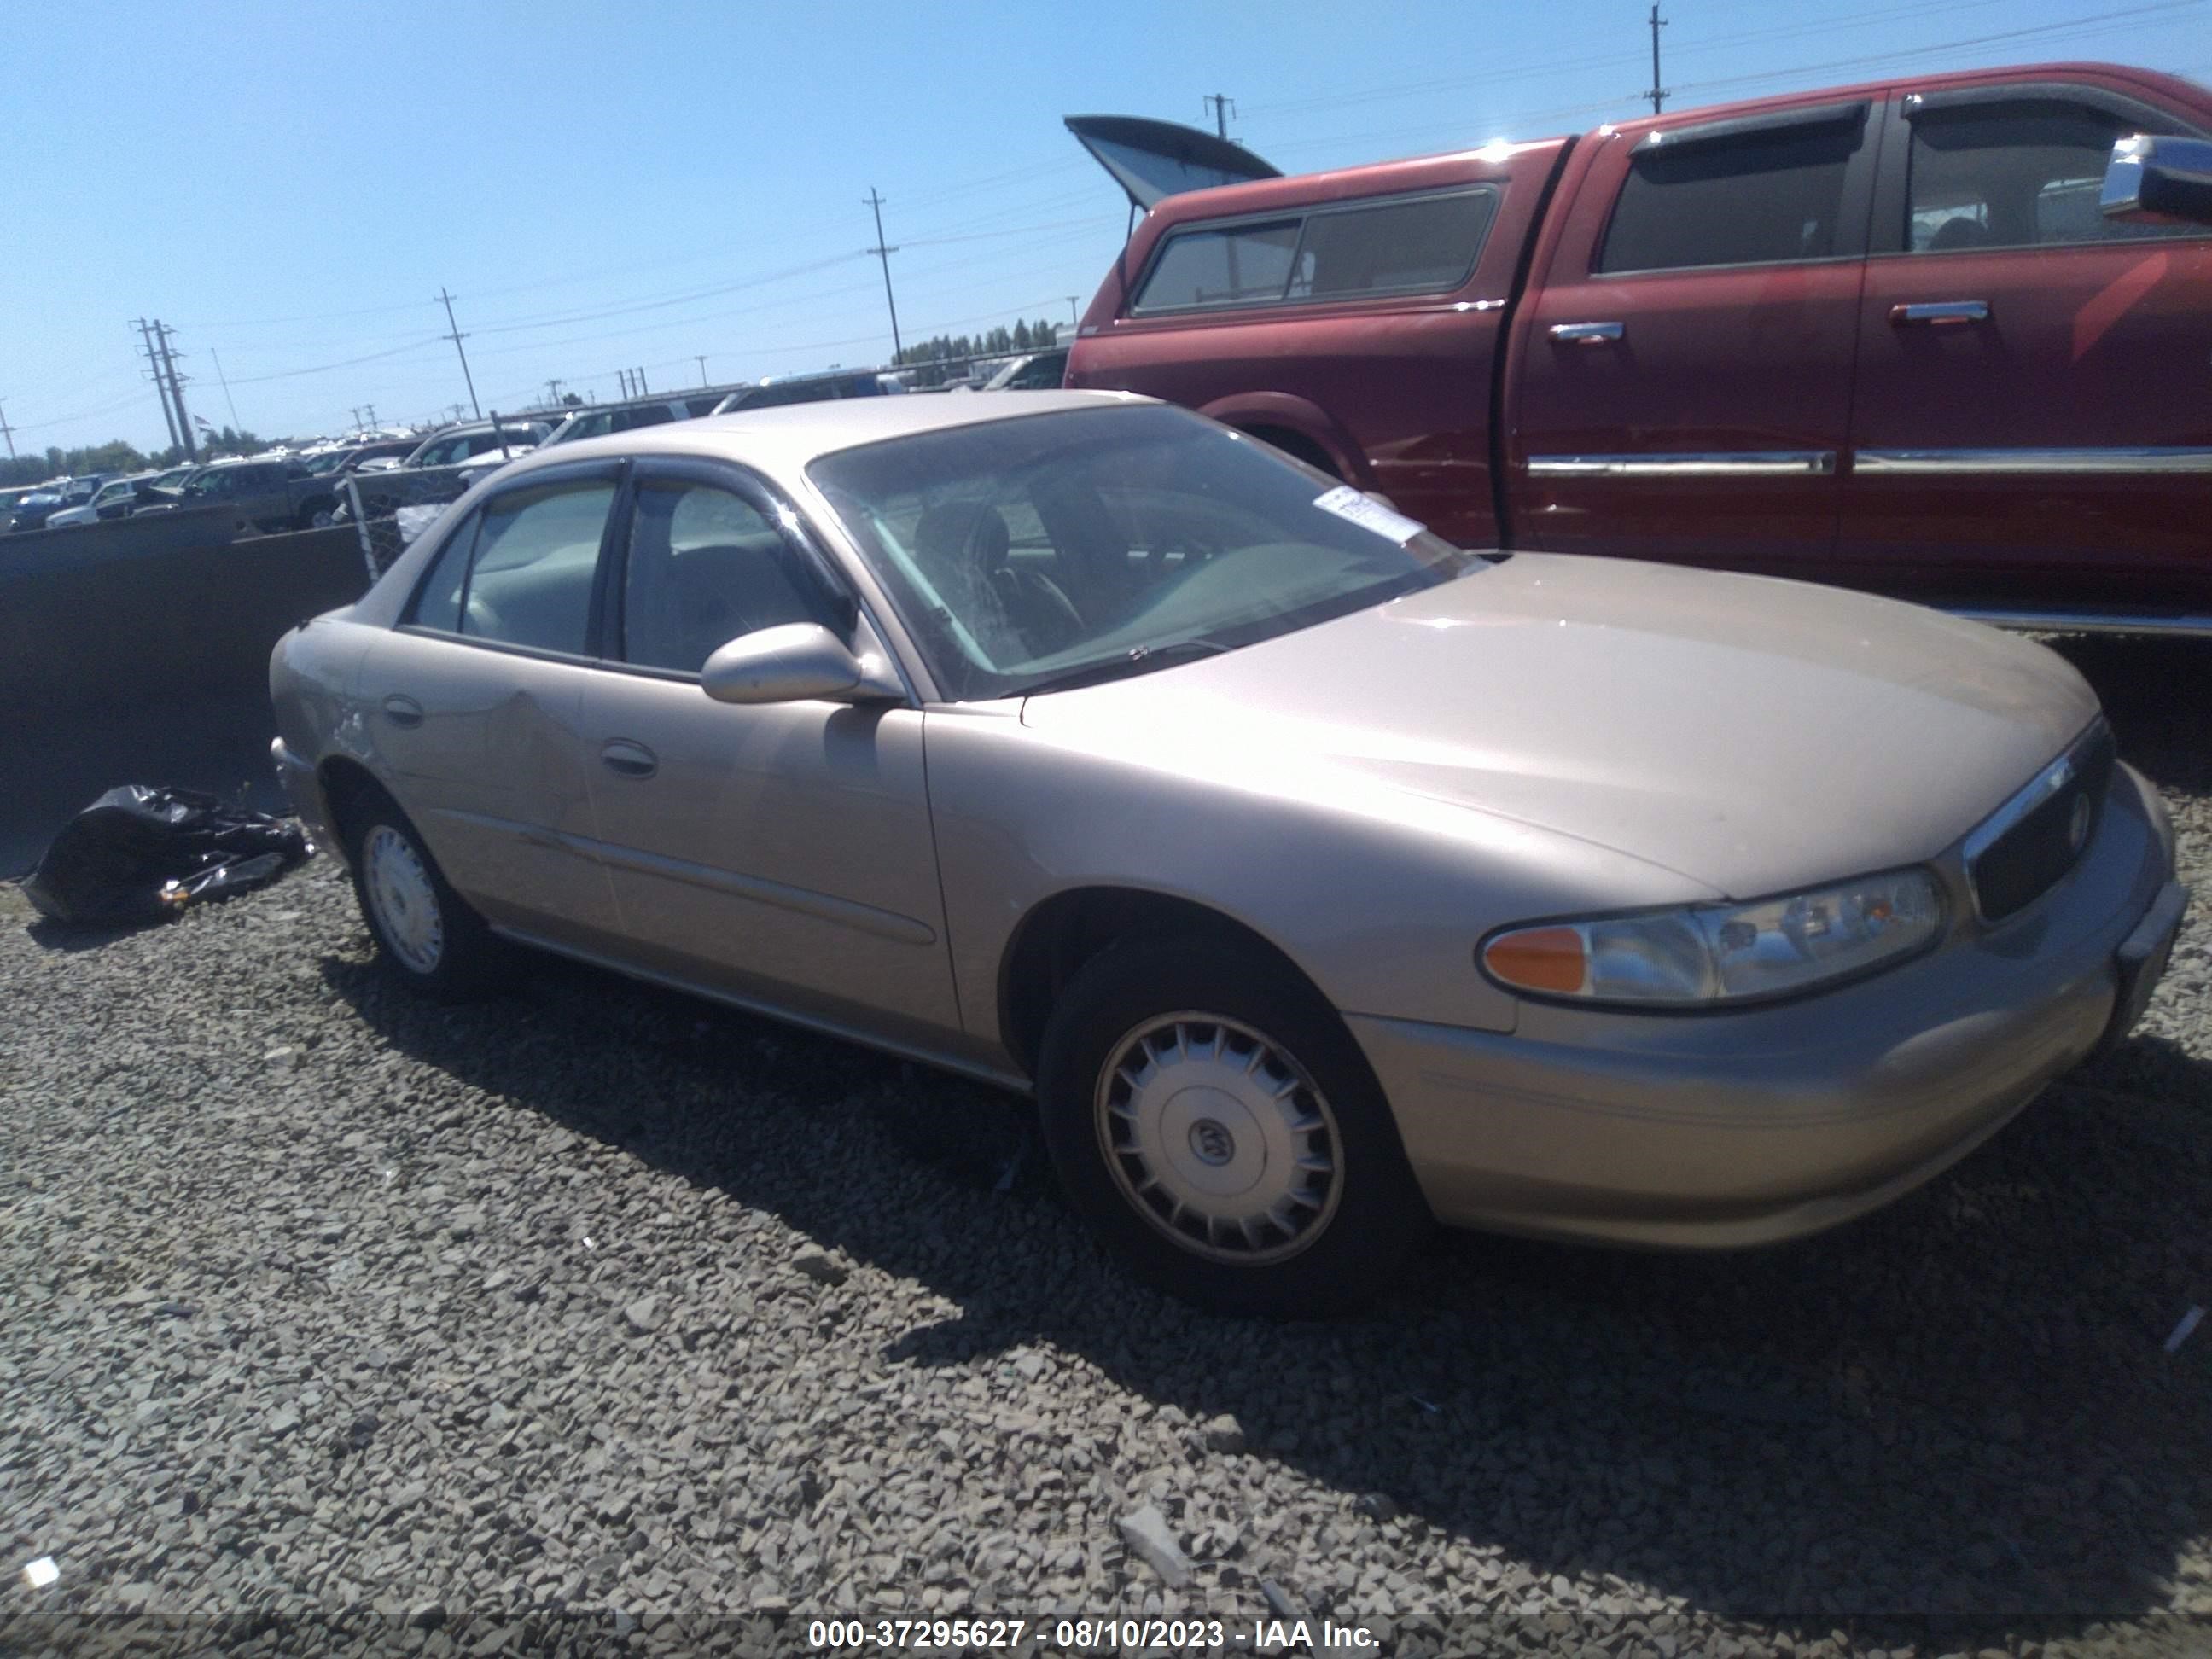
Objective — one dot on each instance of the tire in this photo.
(427, 937)
(317, 514)
(1284, 1081)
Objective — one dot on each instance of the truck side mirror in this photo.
(2158, 178)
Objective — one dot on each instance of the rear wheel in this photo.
(1214, 1121)
(426, 934)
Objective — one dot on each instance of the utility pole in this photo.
(161, 384)
(1221, 105)
(457, 337)
(161, 332)
(1658, 94)
(553, 394)
(1074, 315)
(372, 412)
(7, 432)
(228, 402)
(642, 387)
(883, 250)
(701, 358)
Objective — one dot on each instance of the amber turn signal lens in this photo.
(1538, 959)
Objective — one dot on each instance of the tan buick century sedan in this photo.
(1320, 878)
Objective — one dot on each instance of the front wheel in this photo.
(425, 932)
(1212, 1119)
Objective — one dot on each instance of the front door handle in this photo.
(1940, 313)
(629, 760)
(402, 711)
(1586, 333)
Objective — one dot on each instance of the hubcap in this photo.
(404, 902)
(1219, 1138)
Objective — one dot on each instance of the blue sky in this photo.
(288, 183)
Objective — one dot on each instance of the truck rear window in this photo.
(1404, 245)
(1763, 198)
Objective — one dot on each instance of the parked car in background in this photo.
(267, 497)
(449, 446)
(599, 419)
(1038, 371)
(113, 500)
(1570, 896)
(37, 508)
(779, 390)
(1879, 336)
(341, 459)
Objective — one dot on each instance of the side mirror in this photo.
(2158, 178)
(794, 662)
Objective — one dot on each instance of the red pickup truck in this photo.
(1879, 336)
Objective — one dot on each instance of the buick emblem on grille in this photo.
(2077, 824)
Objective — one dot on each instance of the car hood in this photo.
(1753, 735)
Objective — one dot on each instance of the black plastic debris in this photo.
(140, 854)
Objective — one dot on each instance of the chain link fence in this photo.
(389, 508)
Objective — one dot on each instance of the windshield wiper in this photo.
(1142, 659)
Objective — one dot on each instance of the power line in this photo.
(1658, 94)
(160, 383)
(456, 336)
(161, 332)
(229, 402)
(884, 252)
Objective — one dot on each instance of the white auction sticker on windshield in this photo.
(1356, 506)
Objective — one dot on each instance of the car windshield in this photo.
(1029, 552)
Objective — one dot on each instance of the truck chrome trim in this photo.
(1755, 463)
(1940, 311)
(2178, 625)
(1586, 333)
(2120, 459)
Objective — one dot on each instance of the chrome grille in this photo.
(2021, 850)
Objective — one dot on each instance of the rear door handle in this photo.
(1586, 333)
(1940, 313)
(402, 711)
(631, 760)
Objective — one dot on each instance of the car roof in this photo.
(788, 437)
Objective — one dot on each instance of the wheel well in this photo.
(349, 787)
(1297, 444)
(1057, 938)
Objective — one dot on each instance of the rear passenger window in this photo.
(704, 567)
(1757, 198)
(1244, 265)
(1428, 244)
(438, 601)
(536, 551)
(2023, 175)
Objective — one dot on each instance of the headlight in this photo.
(1719, 953)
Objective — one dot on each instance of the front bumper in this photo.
(1716, 1130)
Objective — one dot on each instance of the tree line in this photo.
(117, 456)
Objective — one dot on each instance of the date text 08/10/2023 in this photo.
(1086, 1636)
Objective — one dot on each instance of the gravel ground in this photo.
(322, 1303)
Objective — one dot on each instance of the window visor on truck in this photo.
(1743, 126)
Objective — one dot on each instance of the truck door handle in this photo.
(1586, 333)
(1940, 313)
(631, 760)
(402, 711)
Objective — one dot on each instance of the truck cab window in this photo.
(2021, 174)
(1762, 198)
